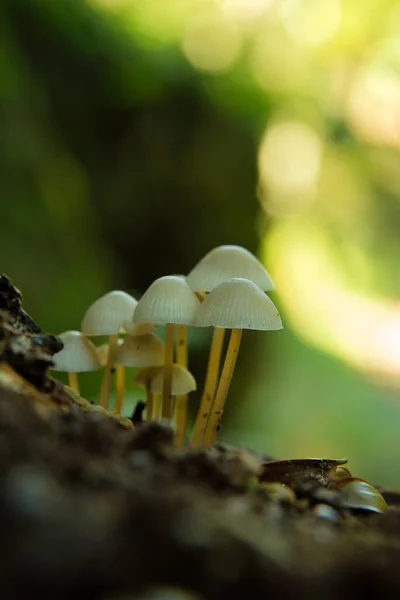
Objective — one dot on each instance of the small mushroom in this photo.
(136, 351)
(219, 265)
(235, 304)
(106, 316)
(77, 356)
(168, 301)
(182, 381)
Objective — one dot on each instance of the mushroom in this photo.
(152, 378)
(219, 265)
(182, 381)
(106, 316)
(77, 356)
(235, 304)
(136, 351)
(227, 262)
(169, 301)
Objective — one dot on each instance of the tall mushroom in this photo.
(235, 304)
(169, 301)
(106, 316)
(219, 265)
(78, 355)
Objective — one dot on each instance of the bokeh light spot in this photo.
(289, 160)
(361, 330)
(373, 107)
(311, 22)
(276, 63)
(211, 43)
(245, 9)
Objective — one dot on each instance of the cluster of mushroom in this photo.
(225, 290)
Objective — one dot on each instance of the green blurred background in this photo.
(136, 135)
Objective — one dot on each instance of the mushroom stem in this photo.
(209, 387)
(149, 404)
(181, 401)
(168, 362)
(223, 387)
(106, 383)
(156, 407)
(120, 389)
(73, 382)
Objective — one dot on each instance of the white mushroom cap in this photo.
(107, 314)
(168, 300)
(78, 354)
(238, 304)
(183, 381)
(227, 262)
(102, 352)
(141, 351)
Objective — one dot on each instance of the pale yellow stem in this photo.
(149, 404)
(223, 387)
(73, 382)
(167, 381)
(120, 389)
(106, 383)
(181, 401)
(209, 387)
(157, 407)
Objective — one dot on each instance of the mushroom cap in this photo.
(107, 314)
(169, 299)
(141, 351)
(227, 262)
(102, 352)
(77, 356)
(145, 375)
(182, 380)
(238, 304)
